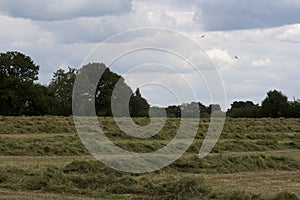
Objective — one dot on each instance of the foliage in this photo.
(275, 105)
(138, 106)
(244, 109)
(61, 87)
(17, 89)
(111, 91)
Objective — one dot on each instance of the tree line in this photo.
(275, 105)
(21, 95)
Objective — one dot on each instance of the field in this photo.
(43, 158)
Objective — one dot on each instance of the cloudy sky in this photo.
(254, 45)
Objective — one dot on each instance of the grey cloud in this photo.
(241, 14)
(49, 10)
(224, 15)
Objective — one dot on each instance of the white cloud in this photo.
(264, 62)
(290, 34)
(221, 57)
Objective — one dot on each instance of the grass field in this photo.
(43, 158)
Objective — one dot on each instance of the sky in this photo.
(253, 46)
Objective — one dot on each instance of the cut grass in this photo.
(39, 145)
(92, 179)
(268, 183)
(71, 145)
(95, 180)
(254, 159)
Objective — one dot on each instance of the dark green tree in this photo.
(39, 103)
(60, 91)
(139, 107)
(295, 108)
(173, 111)
(17, 75)
(111, 89)
(105, 87)
(275, 105)
(213, 108)
(244, 109)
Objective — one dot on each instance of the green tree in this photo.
(111, 86)
(39, 101)
(139, 107)
(275, 105)
(17, 75)
(190, 110)
(295, 108)
(174, 111)
(60, 91)
(214, 108)
(244, 109)
(104, 91)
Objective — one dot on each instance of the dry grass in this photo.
(267, 183)
(37, 195)
(253, 156)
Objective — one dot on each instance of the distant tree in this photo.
(112, 89)
(139, 107)
(39, 102)
(173, 111)
(295, 108)
(213, 108)
(60, 91)
(244, 109)
(158, 111)
(275, 105)
(105, 87)
(203, 109)
(17, 75)
(190, 110)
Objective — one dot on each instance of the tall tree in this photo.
(110, 89)
(17, 75)
(275, 105)
(139, 107)
(60, 89)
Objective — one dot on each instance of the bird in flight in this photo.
(202, 36)
(236, 57)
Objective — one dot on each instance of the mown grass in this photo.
(55, 145)
(55, 124)
(71, 145)
(95, 180)
(35, 124)
(45, 155)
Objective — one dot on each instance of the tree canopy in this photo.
(17, 89)
(275, 105)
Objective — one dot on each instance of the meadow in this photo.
(43, 158)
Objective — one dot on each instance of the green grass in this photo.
(43, 158)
